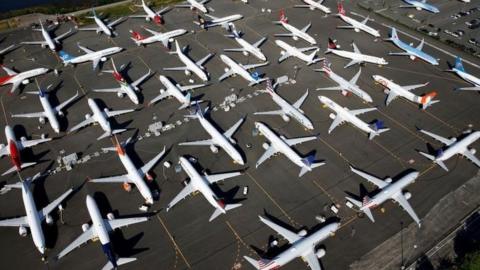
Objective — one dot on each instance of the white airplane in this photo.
(343, 85)
(247, 48)
(100, 230)
(312, 5)
(288, 51)
(410, 51)
(394, 90)
(100, 117)
(150, 14)
(90, 55)
(33, 218)
(134, 176)
(222, 140)
(235, 68)
(357, 26)
(48, 112)
(190, 66)
(452, 147)
(48, 41)
(107, 29)
(287, 110)
(15, 78)
(419, 5)
(356, 56)
(164, 38)
(280, 144)
(389, 190)
(301, 246)
(194, 4)
(295, 33)
(343, 114)
(224, 22)
(14, 147)
(460, 71)
(176, 91)
(129, 89)
(201, 183)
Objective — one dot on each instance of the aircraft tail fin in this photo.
(312, 57)
(427, 99)
(120, 261)
(393, 35)
(233, 30)
(378, 128)
(340, 8)
(433, 158)
(360, 206)
(136, 36)
(310, 164)
(223, 209)
(187, 102)
(64, 56)
(331, 45)
(458, 64)
(283, 16)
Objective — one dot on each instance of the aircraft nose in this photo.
(42, 249)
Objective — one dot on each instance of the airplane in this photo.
(222, 140)
(194, 4)
(129, 89)
(33, 218)
(356, 56)
(419, 5)
(312, 5)
(388, 190)
(201, 183)
(100, 230)
(302, 245)
(224, 22)
(15, 78)
(288, 51)
(247, 48)
(150, 14)
(287, 110)
(176, 91)
(357, 26)
(100, 117)
(295, 33)
(48, 112)
(235, 68)
(14, 147)
(134, 175)
(48, 41)
(343, 85)
(280, 144)
(394, 90)
(412, 52)
(90, 55)
(107, 29)
(343, 114)
(164, 38)
(190, 66)
(460, 71)
(452, 147)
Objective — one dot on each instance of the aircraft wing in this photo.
(337, 88)
(345, 27)
(295, 141)
(283, 57)
(30, 115)
(122, 222)
(30, 143)
(118, 112)
(390, 97)
(176, 68)
(187, 190)
(284, 35)
(33, 42)
(160, 12)
(355, 78)
(254, 65)
(365, 20)
(268, 153)
(227, 74)
(473, 88)
(15, 86)
(312, 260)
(287, 234)
(204, 59)
(9, 71)
(113, 179)
(80, 240)
(438, 137)
(138, 16)
(3, 151)
(95, 62)
(86, 50)
(336, 122)
(231, 130)
(471, 157)
(82, 124)
(49, 208)
(14, 222)
(108, 90)
(415, 86)
(117, 21)
(420, 46)
(213, 178)
(151, 31)
(147, 167)
(355, 48)
(7, 49)
(400, 53)
(141, 79)
(258, 43)
(160, 97)
(374, 180)
(406, 206)
(62, 36)
(300, 101)
(198, 143)
(305, 29)
(88, 29)
(278, 112)
(66, 102)
(234, 50)
(361, 111)
(353, 62)
(190, 87)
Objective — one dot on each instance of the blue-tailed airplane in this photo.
(419, 5)
(410, 51)
(460, 71)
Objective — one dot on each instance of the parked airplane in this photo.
(100, 117)
(247, 48)
(190, 66)
(302, 245)
(343, 85)
(223, 140)
(356, 56)
(134, 175)
(176, 91)
(452, 147)
(194, 4)
(312, 5)
(357, 26)
(90, 55)
(52, 43)
(201, 183)
(48, 112)
(33, 218)
(235, 68)
(394, 90)
(343, 114)
(280, 144)
(164, 38)
(14, 147)
(288, 50)
(287, 110)
(295, 33)
(388, 190)
(107, 29)
(224, 22)
(460, 71)
(100, 230)
(129, 89)
(15, 78)
(419, 5)
(410, 51)
(150, 14)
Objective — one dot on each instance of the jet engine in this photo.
(41, 120)
(187, 72)
(120, 94)
(357, 30)
(147, 19)
(106, 110)
(87, 116)
(44, 46)
(295, 38)
(110, 216)
(23, 138)
(171, 40)
(49, 219)
(285, 118)
(60, 113)
(320, 253)
(214, 149)
(265, 145)
(473, 151)
(332, 116)
(85, 227)
(26, 81)
(302, 233)
(386, 91)
(226, 69)
(407, 195)
(282, 52)
(22, 231)
(245, 53)
(103, 59)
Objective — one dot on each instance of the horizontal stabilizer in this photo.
(120, 261)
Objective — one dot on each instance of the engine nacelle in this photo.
(407, 195)
(23, 138)
(285, 118)
(214, 149)
(295, 38)
(147, 19)
(41, 120)
(85, 227)
(87, 116)
(120, 94)
(245, 53)
(226, 69)
(454, 139)
(332, 116)
(171, 40)
(386, 91)
(106, 110)
(302, 233)
(320, 253)
(49, 219)
(43, 45)
(265, 145)
(110, 216)
(232, 140)
(26, 81)
(282, 52)
(188, 72)
(162, 91)
(473, 151)
(61, 113)
(22, 231)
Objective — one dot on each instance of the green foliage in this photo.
(471, 261)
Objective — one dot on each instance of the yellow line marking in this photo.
(177, 248)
